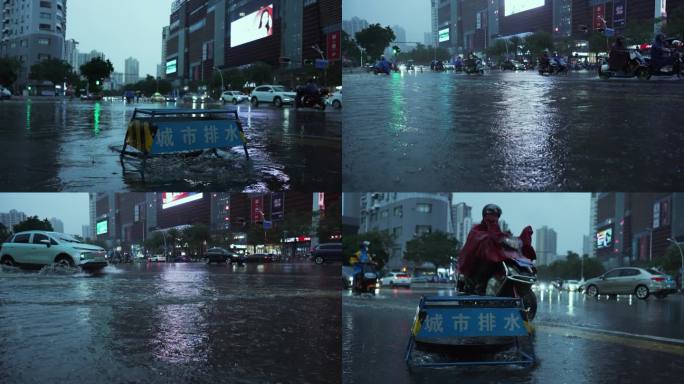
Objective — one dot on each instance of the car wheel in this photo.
(337, 104)
(592, 291)
(278, 102)
(254, 101)
(64, 261)
(235, 102)
(319, 260)
(8, 261)
(641, 292)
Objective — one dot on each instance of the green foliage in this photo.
(675, 23)
(350, 49)
(422, 54)
(234, 79)
(9, 71)
(374, 39)
(55, 71)
(154, 243)
(194, 237)
(150, 85)
(259, 73)
(381, 243)
(537, 42)
(638, 32)
(565, 46)
(4, 232)
(33, 223)
(597, 42)
(96, 70)
(571, 268)
(499, 49)
(439, 248)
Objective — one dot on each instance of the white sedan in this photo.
(235, 97)
(335, 99)
(394, 279)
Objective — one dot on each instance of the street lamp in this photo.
(223, 86)
(681, 254)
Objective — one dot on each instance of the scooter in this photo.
(637, 67)
(473, 66)
(553, 67)
(365, 280)
(674, 69)
(303, 100)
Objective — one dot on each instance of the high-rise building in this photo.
(32, 31)
(12, 218)
(462, 221)
(427, 39)
(131, 71)
(71, 53)
(85, 231)
(354, 25)
(434, 24)
(86, 57)
(587, 245)
(351, 212)
(404, 216)
(57, 224)
(400, 36)
(545, 245)
(165, 36)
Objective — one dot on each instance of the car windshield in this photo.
(280, 89)
(654, 272)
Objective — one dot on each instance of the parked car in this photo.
(335, 99)
(276, 94)
(326, 253)
(513, 65)
(235, 97)
(40, 248)
(5, 94)
(396, 279)
(631, 280)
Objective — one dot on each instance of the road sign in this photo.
(471, 322)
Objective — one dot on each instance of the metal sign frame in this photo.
(459, 304)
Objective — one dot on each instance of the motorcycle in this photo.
(674, 69)
(377, 70)
(553, 67)
(473, 66)
(304, 100)
(366, 280)
(637, 67)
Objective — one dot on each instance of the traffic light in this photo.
(396, 50)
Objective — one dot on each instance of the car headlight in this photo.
(83, 256)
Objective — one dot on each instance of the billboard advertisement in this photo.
(257, 209)
(334, 46)
(173, 199)
(171, 66)
(257, 25)
(517, 6)
(619, 13)
(277, 206)
(444, 35)
(599, 17)
(101, 227)
(604, 238)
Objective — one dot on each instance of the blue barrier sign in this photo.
(471, 322)
(183, 136)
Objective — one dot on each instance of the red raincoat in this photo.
(484, 245)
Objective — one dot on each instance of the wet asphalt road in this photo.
(511, 131)
(172, 323)
(61, 145)
(576, 340)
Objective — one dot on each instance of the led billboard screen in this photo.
(443, 35)
(101, 227)
(171, 66)
(173, 199)
(604, 238)
(517, 6)
(257, 25)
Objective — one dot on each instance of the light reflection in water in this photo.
(96, 118)
(571, 303)
(28, 114)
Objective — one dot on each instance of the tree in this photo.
(4, 233)
(675, 23)
(515, 43)
(439, 248)
(537, 42)
(173, 236)
(96, 70)
(381, 243)
(150, 85)
(374, 39)
(259, 73)
(234, 78)
(422, 54)
(639, 32)
(350, 49)
(195, 236)
(55, 71)
(9, 71)
(154, 243)
(33, 223)
(498, 49)
(571, 268)
(597, 43)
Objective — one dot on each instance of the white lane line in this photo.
(610, 332)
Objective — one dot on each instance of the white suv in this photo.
(39, 248)
(235, 97)
(276, 94)
(396, 279)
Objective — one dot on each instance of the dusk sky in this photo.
(120, 29)
(71, 208)
(413, 16)
(567, 213)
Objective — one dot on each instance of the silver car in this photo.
(631, 280)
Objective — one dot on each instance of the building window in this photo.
(422, 229)
(384, 213)
(398, 211)
(424, 208)
(44, 27)
(46, 15)
(45, 4)
(396, 232)
(198, 25)
(44, 41)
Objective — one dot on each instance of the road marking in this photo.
(653, 343)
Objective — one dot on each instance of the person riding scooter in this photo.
(559, 61)
(361, 262)
(383, 65)
(619, 56)
(484, 249)
(661, 54)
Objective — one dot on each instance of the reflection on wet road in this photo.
(576, 340)
(61, 145)
(511, 131)
(162, 323)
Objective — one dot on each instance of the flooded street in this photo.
(576, 340)
(161, 323)
(511, 131)
(62, 145)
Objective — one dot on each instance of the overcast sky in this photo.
(71, 208)
(120, 29)
(566, 213)
(412, 15)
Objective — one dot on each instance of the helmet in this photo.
(364, 244)
(491, 209)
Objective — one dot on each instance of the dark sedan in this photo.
(221, 255)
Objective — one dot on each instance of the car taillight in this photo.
(658, 279)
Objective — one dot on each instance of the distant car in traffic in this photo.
(5, 94)
(276, 94)
(259, 258)
(335, 99)
(157, 98)
(394, 279)
(40, 248)
(512, 65)
(222, 255)
(571, 285)
(640, 282)
(192, 97)
(425, 278)
(235, 97)
(327, 253)
(157, 259)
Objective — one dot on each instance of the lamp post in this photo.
(681, 254)
(223, 86)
